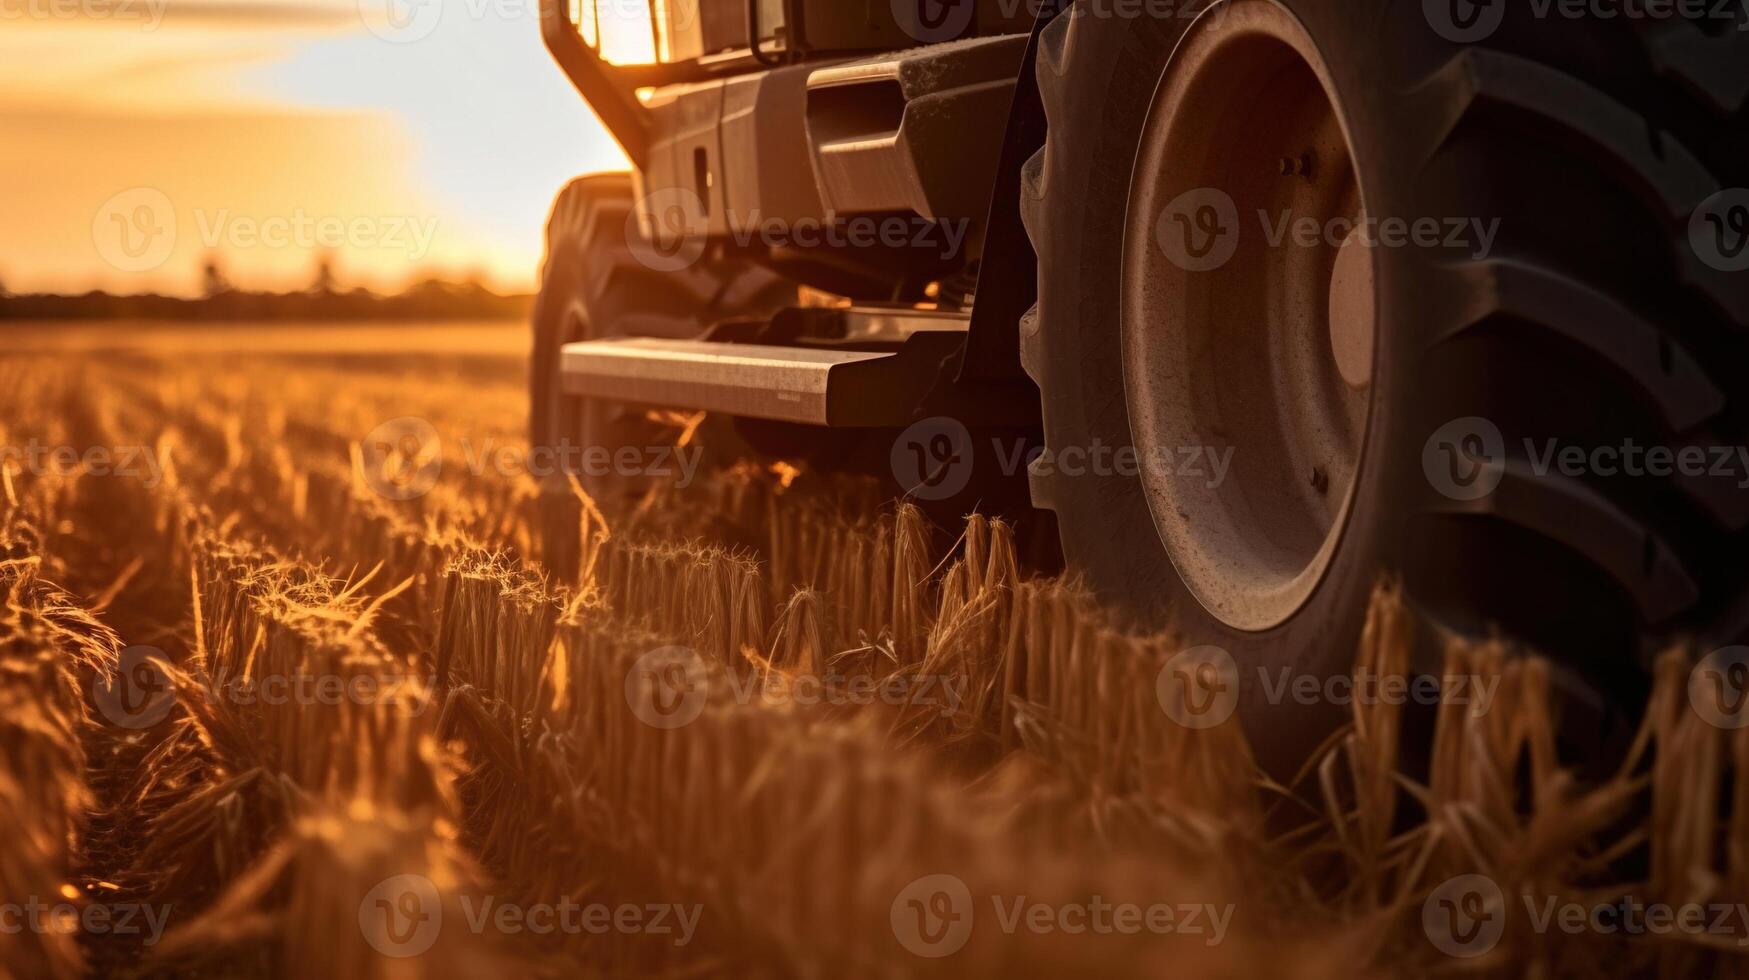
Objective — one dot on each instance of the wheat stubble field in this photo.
(288, 696)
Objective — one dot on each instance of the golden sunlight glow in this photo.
(620, 29)
(390, 140)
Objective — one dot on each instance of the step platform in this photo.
(825, 386)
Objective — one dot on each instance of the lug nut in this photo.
(1300, 166)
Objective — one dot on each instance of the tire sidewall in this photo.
(1121, 557)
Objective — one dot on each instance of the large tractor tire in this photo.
(1388, 405)
(600, 280)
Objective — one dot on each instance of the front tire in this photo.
(1591, 318)
(597, 283)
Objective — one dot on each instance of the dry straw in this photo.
(535, 774)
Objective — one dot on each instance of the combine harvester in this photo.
(1261, 299)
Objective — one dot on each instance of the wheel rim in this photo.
(1244, 336)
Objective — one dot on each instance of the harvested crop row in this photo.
(729, 803)
(813, 826)
(301, 770)
(52, 652)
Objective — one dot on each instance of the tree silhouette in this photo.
(213, 281)
(324, 283)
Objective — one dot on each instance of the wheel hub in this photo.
(1249, 313)
(1353, 315)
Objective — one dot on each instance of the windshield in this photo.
(634, 32)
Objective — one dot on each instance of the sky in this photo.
(138, 138)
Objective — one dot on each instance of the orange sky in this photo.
(139, 136)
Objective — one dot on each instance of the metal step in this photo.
(807, 385)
